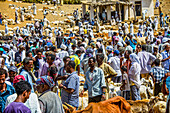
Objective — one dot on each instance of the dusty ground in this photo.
(4, 8)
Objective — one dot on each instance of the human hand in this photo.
(60, 86)
(103, 97)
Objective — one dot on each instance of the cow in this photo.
(114, 105)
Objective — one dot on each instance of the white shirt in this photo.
(115, 64)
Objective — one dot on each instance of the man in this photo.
(63, 53)
(5, 89)
(23, 90)
(88, 54)
(109, 72)
(76, 59)
(62, 74)
(156, 52)
(166, 57)
(38, 63)
(19, 55)
(95, 82)
(16, 16)
(12, 72)
(127, 63)
(26, 71)
(145, 61)
(35, 108)
(49, 101)
(132, 42)
(157, 73)
(109, 52)
(70, 92)
(114, 62)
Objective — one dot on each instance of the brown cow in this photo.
(114, 105)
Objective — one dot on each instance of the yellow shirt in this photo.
(108, 70)
(76, 59)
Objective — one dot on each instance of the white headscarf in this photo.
(134, 58)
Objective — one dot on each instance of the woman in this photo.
(134, 77)
(2, 64)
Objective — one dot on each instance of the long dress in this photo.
(131, 28)
(34, 9)
(22, 16)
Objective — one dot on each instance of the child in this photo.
(23, 90)
(125, 81)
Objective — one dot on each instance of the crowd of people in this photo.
(40, 75)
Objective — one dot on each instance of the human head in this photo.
(66, 59)
(44, 83)
(28, 63)
(50, 58)
(157, 62)
(127, 53)
(23, 89)
(100, 50)
(167, 47)
(29, 54)
(78, 52)
(134, 58)
(39, 54)
(91, 62)
(3, 75)
(144, 47)
(116, 52)
(17, 79)
(70, 67)
(123, 69)
(12, 73)
(99, 57)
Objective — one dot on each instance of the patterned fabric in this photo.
(3, 96)
(46, 79)
(158, 73)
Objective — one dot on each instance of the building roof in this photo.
(104, 3)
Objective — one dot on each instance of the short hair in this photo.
(72, 64)
(65, 58)
(94, 60)
(52, 56)
(100, 50)
(3, 71)
(39, 50)
(27, 53)
(53, 48)
(78, 52)
(73, 45)
(22, 86)
(124, 68)
(157, 62)
(26, 60)
(101, 55)
(128, 43)
(129, 52)
(144, 47)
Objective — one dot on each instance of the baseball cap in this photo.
(12, 68)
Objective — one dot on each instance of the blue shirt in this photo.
(168, 84)
(94, 82)
(3, 96)
(71, 82)
(28, 78)
(166, 63)
(158, 73)
(132, 44)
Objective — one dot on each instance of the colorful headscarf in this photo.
(18, 78)
(46, 80)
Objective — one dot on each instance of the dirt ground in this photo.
(4, 9)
